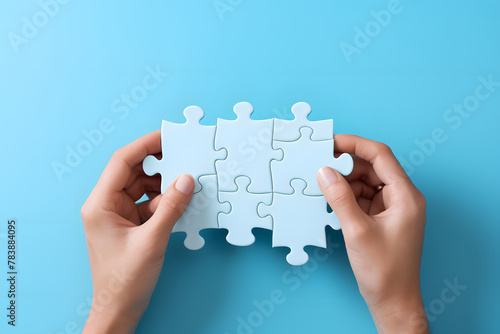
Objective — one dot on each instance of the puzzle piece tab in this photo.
(252, 174)
(249, 150)
(186, 148)
(202, 213)
(298, 221)
(285, 130)
(243, 216)
(302, 160)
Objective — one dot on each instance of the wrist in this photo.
(406, 315)
(110, 321)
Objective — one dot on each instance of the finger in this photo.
(147, 208)
(171, 206)
(152, 194)
(134, 174)
(385, 164)
(364, 204)
(360, 189)
(143, 184)
(123, 163)
(377, 204)
(340, 196)
(363, 170)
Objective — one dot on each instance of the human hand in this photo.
(382, 215)
(126, 241)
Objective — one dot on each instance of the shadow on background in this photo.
(204, 284)
(199, 276)
(453, 253)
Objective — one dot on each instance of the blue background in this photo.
(397, 89)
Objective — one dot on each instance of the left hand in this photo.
(127, 241)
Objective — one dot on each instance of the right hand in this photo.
(382, 215)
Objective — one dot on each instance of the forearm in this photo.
(405, 316)
(100, 322)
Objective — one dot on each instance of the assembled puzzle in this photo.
(252, 174)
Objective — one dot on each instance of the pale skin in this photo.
(381, 212)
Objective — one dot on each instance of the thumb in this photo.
(171, 205)
(339, 195)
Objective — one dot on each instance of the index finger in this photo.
(384, 162)
(120, 167)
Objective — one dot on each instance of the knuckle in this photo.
(384, 148)
(117, 155)
(416, 205)
(420, 201)
(359, 232)
(88, 213)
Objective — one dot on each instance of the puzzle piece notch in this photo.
(289, 130)
(298, 221)
(317, 154)
(243, 111)
(243, 216)
(186, 148)
(202, 213)
(249, 150)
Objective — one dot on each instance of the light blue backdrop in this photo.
(63, 74)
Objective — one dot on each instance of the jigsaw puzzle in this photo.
(202, 213)
(243, 216)
(249, 150)
(252, 174)
(285, 130)
(298, 221)
(303, 158)
(186, 148)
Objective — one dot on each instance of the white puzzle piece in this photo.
(243, 216)
(186, 148)
(299, 221)
(239, 187)
(303, 159)
(285, 130)
(249, 150)
(202, 213)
